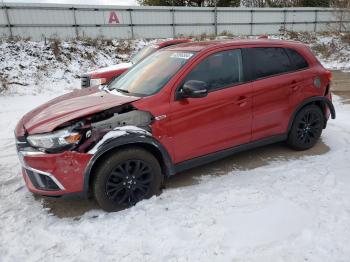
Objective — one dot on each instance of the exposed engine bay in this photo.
(93, 128)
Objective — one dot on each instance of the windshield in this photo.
(151, 74)
(146, 51)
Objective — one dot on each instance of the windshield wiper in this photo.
(122, 90)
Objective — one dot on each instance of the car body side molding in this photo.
(198, 161)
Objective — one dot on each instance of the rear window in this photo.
(297, 60)
(268, 61)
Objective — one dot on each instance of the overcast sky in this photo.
(93, 2)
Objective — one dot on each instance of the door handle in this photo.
(241, 101)
(294, 85)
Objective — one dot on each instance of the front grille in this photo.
(41, 181)
(85, 81)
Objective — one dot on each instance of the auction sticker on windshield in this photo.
(182, 55)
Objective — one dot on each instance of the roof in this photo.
(203, 45)
(165, 43)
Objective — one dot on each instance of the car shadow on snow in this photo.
(77, 206)
(245, 161)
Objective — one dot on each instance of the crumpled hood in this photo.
(71, 106)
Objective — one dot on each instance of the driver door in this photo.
(222, 119)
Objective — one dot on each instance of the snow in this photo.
(29, 67)
(287, 209)
(118, 132)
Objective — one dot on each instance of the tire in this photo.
(125, 178)
(307, 128)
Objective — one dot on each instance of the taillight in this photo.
(329, 75)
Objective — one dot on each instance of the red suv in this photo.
(181, 107)
(107, 74)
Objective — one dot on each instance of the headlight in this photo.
(57, 139)
(97, 81)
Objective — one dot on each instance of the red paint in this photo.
(111, 74)
(68, 168)
(113, 18)
(108, 74)
(71, 106)
(192, 127)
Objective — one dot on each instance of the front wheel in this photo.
(125, 178)
(307, 128)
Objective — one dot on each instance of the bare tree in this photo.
(285, 3)
(342, 14)
(340, 3)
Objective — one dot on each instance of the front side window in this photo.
(219, 70)
(151, 74)
(268, 61)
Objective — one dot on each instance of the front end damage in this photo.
(63, 170)
(99, 128)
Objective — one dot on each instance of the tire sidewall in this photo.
(292, 136)
(111, 162)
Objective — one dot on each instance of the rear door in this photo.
(220, 120)
(303, 77)
(272, 87)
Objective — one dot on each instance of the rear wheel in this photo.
(307, 128)
(125, 178)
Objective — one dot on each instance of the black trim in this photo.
(47, 183)
(325, 101)
(247, 66)
(129, 139)
(198, 161)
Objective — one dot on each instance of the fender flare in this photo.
(324, 100)
(128, 139)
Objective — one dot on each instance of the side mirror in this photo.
(194, 89)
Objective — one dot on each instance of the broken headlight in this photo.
(55, 140)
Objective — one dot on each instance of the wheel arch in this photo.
(320, 101)
(132, 140)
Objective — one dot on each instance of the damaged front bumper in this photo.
(54, 174)
(61, 171)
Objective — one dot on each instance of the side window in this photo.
(298, 61)
(219, 70)
(268, 61)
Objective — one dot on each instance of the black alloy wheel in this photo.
(125, 177)
(129, 182)
(307, 128)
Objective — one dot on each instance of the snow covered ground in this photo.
(289, 209)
